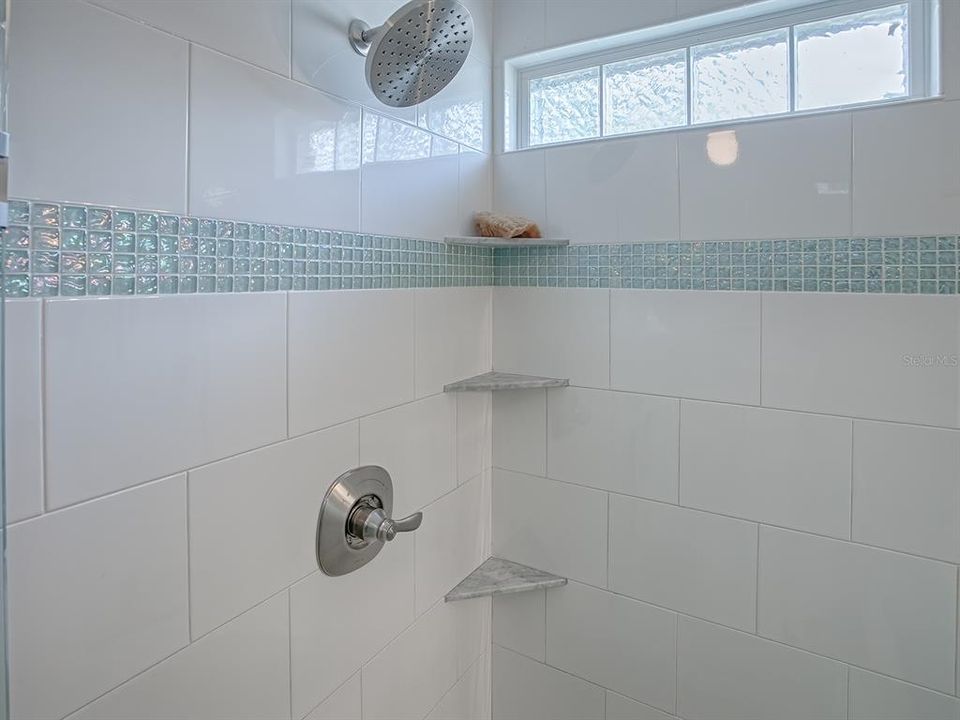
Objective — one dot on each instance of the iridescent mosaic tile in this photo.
(53, 249)
(925, 265)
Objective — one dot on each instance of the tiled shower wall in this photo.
(755, 497)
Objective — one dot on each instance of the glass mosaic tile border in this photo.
(53, 249)
(926, 265)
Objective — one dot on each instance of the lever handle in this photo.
(371, 523)
(389, 528)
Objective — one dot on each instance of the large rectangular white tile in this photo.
(520, 431)
(97, 593)
(451, 540)
(688, 8)
(780, 468)
(462, 111)
(454, 327)
(257, 31)
(697, 563)
(555, 332)
(476, 187)
(414, 672)
(592, 190)
(728, 674)
(517, 28)
(277, 490)
(887, 369)
(474, 434)
(566, 536)
(241, 670)
(343, 704)
(128, 157)
(906, 169)
(200, 385)
(301, 149)
(372, 367)
(623, 708)
(469, 699)
(880, 610)
(323, 59)
(335, 628)
(23, 408)
(566, 22)
(786, 179)
(702, 345)
(410, 181)
(519, 623)
(949, 50)
(905, 490)
(519, 184)
(614, 441)
(616, 642)
(524, 688)
(416, 443)
(875, 697)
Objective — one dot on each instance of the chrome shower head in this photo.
(416, 52)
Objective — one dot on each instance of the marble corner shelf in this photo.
(496, 576)
(495, 242)
(504, 381)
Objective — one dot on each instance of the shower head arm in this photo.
(361, 36)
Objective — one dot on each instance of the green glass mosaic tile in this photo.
(53, 249)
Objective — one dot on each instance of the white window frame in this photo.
(922, 48)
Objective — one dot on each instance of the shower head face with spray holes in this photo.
(418, 51)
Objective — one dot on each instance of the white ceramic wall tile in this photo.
(616, 642)
(554, 332)
(519, 623)
(780, 468)
(614, 441)
(322, 57)
(906, 170)
(373, 368)
(97, 593)
(462, 111)
(118, 135)
(241, 670)
(469, 699)
(277, 490)
(451, 541)
(880, 610)
(703, 345)
(790, 178)
(519, 184)
(410, 184)
(688, 8)
(623, 708)
(520, 431)
(700, 564)
(300, 157)
(728, 674)
(874, 697)
(128, 376)
(524, 688)
(476, 187)
(517, 27)
(333, 634)
(905, 490)
(482, 13)
(453, 327)
(343, 704)
(257, 31)
(812, 361)
(545, 539)
(592, 192)
(414, 672)
(566, 22)
(23, 441)
(416, 443)
(949, 50)
(474, 434)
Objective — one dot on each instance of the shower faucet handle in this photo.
(389, 528)
(369, 522)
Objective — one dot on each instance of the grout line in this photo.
(676, 664)
(189, 568)
(690, 508)
(853, 450)
(186, 159)
(848, 690)
(286, 357)
(756, 588)
(679, 448)
(44, 429)
(290, 648)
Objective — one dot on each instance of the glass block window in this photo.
(810, 57)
